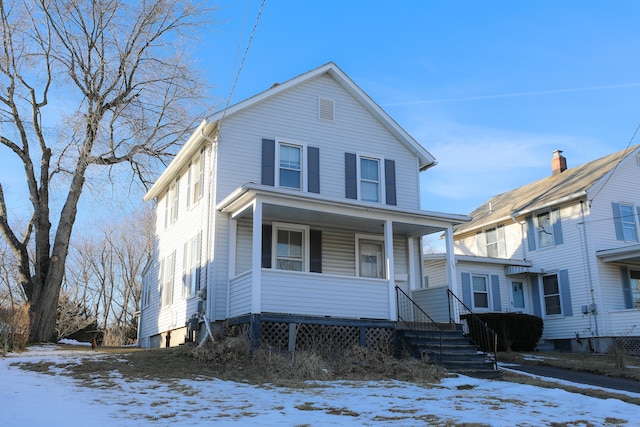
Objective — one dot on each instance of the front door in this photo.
(518, 299)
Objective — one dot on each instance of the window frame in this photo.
(548, 296)
(634, 284)
(486, 292)
(192, 259)
(626, 224)
(370, 238)
(305, 253)
(541, 229)
(172, 203)
(195, 179)
(499, 245)
(302, 172)
(379, 183)
(167, 276)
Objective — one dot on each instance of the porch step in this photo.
(449, 348)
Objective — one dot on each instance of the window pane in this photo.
(369, 191)
(289, 178)
(550, 284)
(479, 284)
(480, 300)
(551, 295)
(552, 304)
(635, 287)
(369, 169)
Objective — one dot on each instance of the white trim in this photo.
(371, 237)
(256, 260)
(303, 163)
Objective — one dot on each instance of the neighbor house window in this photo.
(491, 242)
(290, 160)
(480, 291)
(544, 229)
(551, 288)
(628, 222)
(369, 179)
(635, 287)
(191, 266)
(370, 257)
(167, 273)
(291, 247)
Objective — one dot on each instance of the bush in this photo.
(516, 331)
(14, 327)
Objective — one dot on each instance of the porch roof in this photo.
(625, 254)
(309, 208)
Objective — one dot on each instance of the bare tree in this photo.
(84, 84)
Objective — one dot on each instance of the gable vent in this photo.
(326, 109)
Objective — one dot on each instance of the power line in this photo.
(244, 57)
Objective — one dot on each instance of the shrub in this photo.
(14, 327)
(516, 331)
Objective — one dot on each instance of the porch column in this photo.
(256, 259)
(231, 266)
(388, 249)
(451, 271)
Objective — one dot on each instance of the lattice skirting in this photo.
(323, 338)
(629, 345)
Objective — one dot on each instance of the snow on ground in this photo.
(53, 399)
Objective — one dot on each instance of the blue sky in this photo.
(491, 89)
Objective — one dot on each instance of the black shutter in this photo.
(268, 161)
(313, 164)
(266, 246)
(315, 251)
(350, 176)
(390, 181)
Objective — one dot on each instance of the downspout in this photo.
(211, 217)
(593, 307)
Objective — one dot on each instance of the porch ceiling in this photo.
(626, 254)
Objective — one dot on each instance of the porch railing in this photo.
(415, 318)
(475, 328)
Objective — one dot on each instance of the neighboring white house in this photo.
(565, 248)
(298, 205)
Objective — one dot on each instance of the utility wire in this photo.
(244, 57)
(624, 154)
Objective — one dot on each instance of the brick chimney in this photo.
(558, 163)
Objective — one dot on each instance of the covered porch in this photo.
(304, 254)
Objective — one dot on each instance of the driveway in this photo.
(580, 377)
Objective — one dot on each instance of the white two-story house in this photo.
(300, 205)
(565, 248)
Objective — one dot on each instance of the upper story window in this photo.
(195, 180)
(491, 242)
(544, 229)
(290, 166)
(625, 221)
(369, 179)
(172, 202)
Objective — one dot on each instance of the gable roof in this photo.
(569, 185)
(425, 159)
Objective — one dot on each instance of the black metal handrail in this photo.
(415, 318)
(475, 328)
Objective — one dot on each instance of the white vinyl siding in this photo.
(295, 111)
